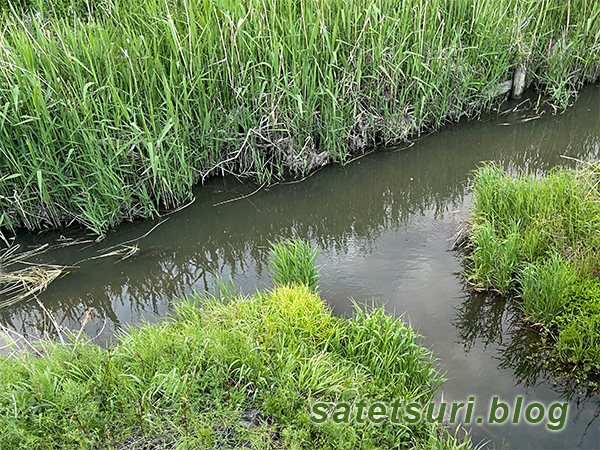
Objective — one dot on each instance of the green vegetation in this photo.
(113, 110)
(223, 372)
(538, 239)
(292, 261)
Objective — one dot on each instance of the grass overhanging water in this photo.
(224, 371)
(538, 240)
(113, 110)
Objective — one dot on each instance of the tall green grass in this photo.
(222, 373)
(546, 288)
(292, 261)
(114, 111)
(538, 239)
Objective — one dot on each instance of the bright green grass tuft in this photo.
(192, 381)
(292, 261)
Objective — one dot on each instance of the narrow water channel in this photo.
(384, 225)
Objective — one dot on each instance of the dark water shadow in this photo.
(489, 320)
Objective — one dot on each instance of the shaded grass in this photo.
(539, 239)
(115, 110)
(193, 381)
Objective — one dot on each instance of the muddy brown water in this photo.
(384, 225)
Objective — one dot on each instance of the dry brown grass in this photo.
(20, 278)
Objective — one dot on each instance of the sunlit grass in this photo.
(292, 261)
(193, 381)
(223, 371)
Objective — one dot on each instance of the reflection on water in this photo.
(489, 319)
(383, 224)
(481, 318)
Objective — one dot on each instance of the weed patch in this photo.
(225, 371)
(538, 239)
(221, 372)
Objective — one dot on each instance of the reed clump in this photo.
(538, 239)
(113, 110)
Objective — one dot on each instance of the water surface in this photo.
(384, 224)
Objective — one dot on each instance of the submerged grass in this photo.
(539, 239)
(114, 110)
(235, 372)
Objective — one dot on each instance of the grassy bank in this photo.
(227, 372)
(234, 373)
(113, 110)
(538, 239)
